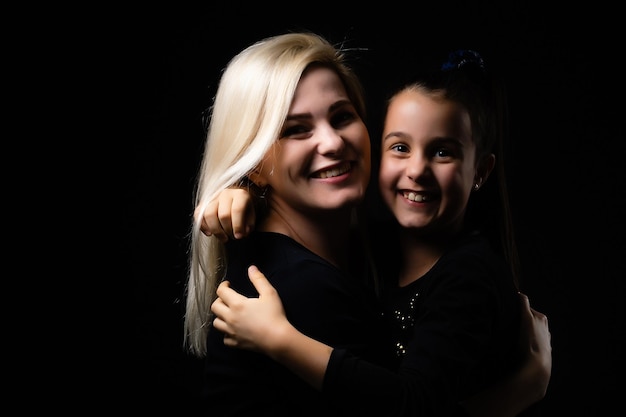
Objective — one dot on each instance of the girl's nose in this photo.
(416, 166)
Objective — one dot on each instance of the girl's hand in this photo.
(256, 324)
(230, 215)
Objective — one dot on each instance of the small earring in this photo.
(478, 183)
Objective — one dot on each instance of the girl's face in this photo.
(428, 165)
(322, 160)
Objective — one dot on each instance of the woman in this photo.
(287, 120)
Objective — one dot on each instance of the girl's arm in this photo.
(260, 324)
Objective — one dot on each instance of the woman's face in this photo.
(428, 161)
(322, 160)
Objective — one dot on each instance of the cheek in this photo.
(455, 184)
(453, 175)
(387, 176)
(387, 181)
(448, 178)
(275, 161)
(367, 157)
(360, 139)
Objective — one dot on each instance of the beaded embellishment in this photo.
(405, 320)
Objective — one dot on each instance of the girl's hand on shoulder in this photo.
(257, 324)
(230, 215)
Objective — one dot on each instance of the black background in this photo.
(565, 79)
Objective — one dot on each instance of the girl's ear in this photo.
(484, 169)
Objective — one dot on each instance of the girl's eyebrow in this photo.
(438, 140)
(395, 134)
(447, 139)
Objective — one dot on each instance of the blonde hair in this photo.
(248, 112)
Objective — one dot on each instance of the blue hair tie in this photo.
(462, 57)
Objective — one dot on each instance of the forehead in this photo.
(419, 109)
(317, 85)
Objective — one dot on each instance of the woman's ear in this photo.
(257, 178)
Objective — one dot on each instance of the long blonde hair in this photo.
(248, 112)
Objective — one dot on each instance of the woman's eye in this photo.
(343, 118)
(295, 131)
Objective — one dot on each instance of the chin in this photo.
(409, 223)
(348, 202)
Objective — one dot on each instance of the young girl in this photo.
(452, 305)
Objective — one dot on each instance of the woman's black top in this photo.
(320, 300)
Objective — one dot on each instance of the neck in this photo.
(324, 233)
(420, 253)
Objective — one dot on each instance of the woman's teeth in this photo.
(335, 172)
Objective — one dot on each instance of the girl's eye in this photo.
(448, 149)
(443, 153)
(399, 147)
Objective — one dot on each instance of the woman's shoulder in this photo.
(277, 251)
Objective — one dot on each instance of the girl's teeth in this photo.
(416, 197)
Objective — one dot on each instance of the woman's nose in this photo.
(330, 141)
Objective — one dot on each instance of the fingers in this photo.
(219, 307)
(221, 311)
(211, 224)
(525, 301)
(230, 215)
(223, 327)
(242, 213)
(527, 315)
(260, 282)
(220, 324)
(531, 313)
(227, 295)
(535, 326)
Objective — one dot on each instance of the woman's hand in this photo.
(536, 345)
(526, 386)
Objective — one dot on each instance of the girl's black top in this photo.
(455, 331)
